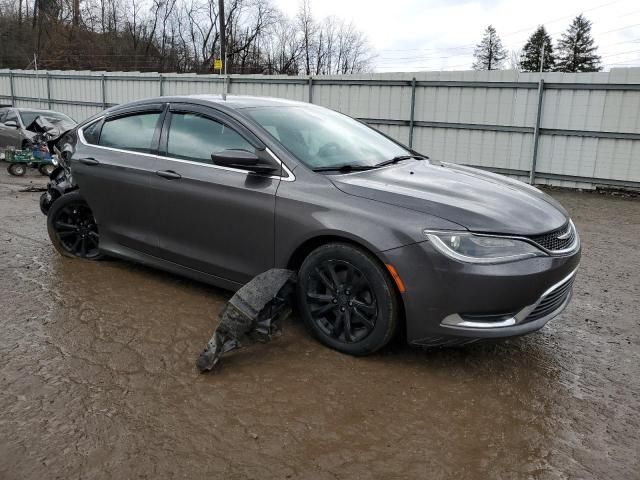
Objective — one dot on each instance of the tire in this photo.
(72, 229)
(341, 285)
(46, 169)
(17, 169)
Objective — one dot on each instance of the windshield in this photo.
(322, 138)
(28, 117)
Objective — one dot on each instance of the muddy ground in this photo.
(97, 377)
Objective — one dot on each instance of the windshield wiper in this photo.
(400, 158)
(345, 168)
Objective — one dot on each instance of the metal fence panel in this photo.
(589, 123)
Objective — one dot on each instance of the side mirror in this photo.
(11, 124)
(243, 160)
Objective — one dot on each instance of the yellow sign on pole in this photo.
(217, 64)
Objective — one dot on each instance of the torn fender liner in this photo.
(250, 315)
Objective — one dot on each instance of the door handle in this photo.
(89, 161)
(169, 174)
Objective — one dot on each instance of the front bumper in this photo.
(450, 302)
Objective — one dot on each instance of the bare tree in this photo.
(514, 59)
(178, 35)
(307, 32)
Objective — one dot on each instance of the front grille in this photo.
(552, 301)
(551, 242)
(445, 341)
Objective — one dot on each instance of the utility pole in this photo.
(76, 13)
(35, 66)
(223, 46)
(542, 57)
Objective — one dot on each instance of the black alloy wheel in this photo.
(346, 299)
(72, 227)
(342, 302)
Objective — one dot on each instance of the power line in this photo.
(471, 46)
(621, 53)
(407, 60)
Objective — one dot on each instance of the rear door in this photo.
(3, 115)
(114, 164)
(213, 219)
(11, 136)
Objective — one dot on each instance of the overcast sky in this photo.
(412, 35)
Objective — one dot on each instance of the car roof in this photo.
(35, 110)
(235, 102)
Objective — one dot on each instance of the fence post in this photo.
(161, 85)
(310, 89)
(104, 92)
(13, 94)
(536, 133)
(49, 90)
(413, 110)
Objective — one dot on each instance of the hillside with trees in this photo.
(177, 36)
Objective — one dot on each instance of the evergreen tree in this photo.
(489, 53)
(576, 49)
(530, 59)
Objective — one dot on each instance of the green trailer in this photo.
(20, 160)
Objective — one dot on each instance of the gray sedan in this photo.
(15, 125)
(381, 236)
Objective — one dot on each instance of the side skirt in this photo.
(126, 253)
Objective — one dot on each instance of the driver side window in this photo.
(195, 137)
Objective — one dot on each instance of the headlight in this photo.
(470, 248)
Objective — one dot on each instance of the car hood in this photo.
(478, 200)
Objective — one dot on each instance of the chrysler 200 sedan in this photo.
(381, 236)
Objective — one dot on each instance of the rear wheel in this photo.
(72, 228)
(46, 169)
(17, 169)
(347, 299)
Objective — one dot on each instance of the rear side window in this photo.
(92, 133)
(3, 114)
(134, 132)
(194, 137)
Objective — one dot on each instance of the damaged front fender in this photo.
(61, 179)
(60, 182)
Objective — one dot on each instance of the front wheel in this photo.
(72, 228)
(346, 299)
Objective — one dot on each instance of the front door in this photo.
(212, 219)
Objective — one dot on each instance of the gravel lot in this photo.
(98, 378)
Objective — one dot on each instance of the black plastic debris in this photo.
(33, 188)
(251, 315)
